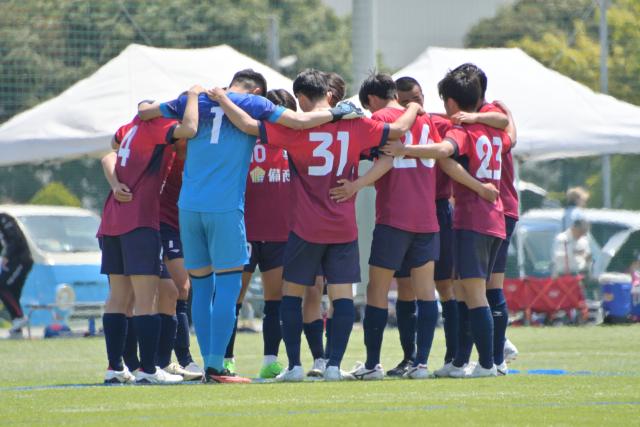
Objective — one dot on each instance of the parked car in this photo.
(614, 237)
(65, 251)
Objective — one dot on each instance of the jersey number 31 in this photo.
(326, 139)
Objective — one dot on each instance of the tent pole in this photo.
(604, 88)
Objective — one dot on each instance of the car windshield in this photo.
(62, 233)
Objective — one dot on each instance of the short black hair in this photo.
(337, 87)
(312, 84)
(282, 97)
(405, 84)
(380, 85)
(473, 69)
(462, 88)
(250, 79)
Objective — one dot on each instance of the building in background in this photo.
(407, 27)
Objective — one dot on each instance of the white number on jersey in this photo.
(326, 139)
(125, 146)
(259, 153)
(484, 151)
(403, 163)
(218, 114)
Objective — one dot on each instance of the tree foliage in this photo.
(563, 35)
(55, 194)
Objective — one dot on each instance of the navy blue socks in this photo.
(406, 314)
(465, 341)
(291, 321)
(115, 332)
(130, 353)
(181, 348)
(228, 354)
(148, 332)
(342, 324)
(500, 315)
(481, 324)
(313, 333)
(450, 320)
(375, 320)
(425, 328)
(271, 334)
(168, 329)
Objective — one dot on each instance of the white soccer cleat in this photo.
(176, 369)
(419, 372)
(333, 373)
(194, 372)
(159, 377)
(360, 372)
(462, 372)
(480, 372)
(445, 371)
(18, 323)
(296, 374)
(502, 369)
(119, 377)
(317, 371)
(510, 351)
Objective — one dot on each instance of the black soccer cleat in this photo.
(401, 369)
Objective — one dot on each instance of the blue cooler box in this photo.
(616, 294)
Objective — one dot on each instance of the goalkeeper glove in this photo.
(346, 110)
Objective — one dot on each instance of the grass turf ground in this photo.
(602, 387)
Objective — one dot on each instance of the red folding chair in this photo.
(517, 295)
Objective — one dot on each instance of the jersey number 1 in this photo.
(218, 114)
(326, 139)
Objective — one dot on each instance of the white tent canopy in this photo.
(556, 117)
(83, 118)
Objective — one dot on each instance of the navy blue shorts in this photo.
(171, 243)
(474, 254)
(266, 255)
(137, 252)
(340, 262)
(396, 249)
(501, 259)
(164, 271)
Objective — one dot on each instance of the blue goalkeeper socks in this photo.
(202, 288)
(223, 316)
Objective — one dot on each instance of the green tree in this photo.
(564, 36)
(56, 194)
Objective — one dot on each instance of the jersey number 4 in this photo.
(322, 151)
(484, 151)
(125, 146)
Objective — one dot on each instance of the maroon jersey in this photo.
(443, 181)
(142, 166)
(170, 194)
(480, 152)
(267, 210)
(318, 158)
(508, 193)
(405, 196)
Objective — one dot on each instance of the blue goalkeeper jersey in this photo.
(218, 156)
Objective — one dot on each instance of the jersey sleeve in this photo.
(490, 108)
(260, 108)
(371, 135)
(460, 140)
(120, 134)
(278, 135)
(174, 109)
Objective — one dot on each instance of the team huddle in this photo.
(187, 175)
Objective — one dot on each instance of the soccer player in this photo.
(130, 239)
(211, 207)
(267, 216)
(324, 233)
(478, 224)
(490, 114)
(176, 280)
(312, 315)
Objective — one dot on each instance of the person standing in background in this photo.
(15, 264)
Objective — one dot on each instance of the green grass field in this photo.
(602, 387)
